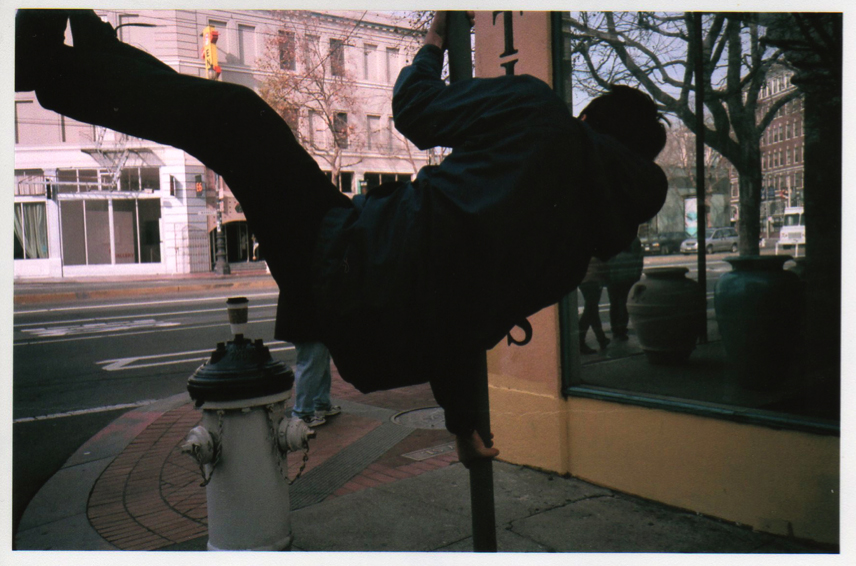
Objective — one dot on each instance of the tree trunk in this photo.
(748, 223)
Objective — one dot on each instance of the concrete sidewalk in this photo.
(248, 276)
(380, 485)
(382, 476)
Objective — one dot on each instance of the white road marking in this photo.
(131, 363)
(145, 303)
(85, 411)
(98, 328)
(124, 334)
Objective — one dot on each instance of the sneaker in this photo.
(331, 412)
(313, 420)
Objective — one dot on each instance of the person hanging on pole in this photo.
(409, 284)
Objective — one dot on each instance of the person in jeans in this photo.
(312, 382)
(413, 283)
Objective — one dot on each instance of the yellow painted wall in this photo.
(776, 481)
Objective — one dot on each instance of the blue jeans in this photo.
(312, 379)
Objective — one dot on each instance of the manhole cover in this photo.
(426, 418)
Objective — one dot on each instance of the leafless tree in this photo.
(310, 85)
(678, 160)
(654, 51)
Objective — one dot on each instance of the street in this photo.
(81, 364)
(78, 366)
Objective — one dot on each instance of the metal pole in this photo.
(698, 56)
(481, 470)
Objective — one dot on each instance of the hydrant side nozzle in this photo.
(201, 445)
(293, 435)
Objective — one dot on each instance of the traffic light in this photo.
(199, 186)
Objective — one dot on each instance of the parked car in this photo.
(664, 243)
(715, 240)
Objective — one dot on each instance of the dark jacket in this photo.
(625, 268)
(425, 276)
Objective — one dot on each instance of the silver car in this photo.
(715, 240)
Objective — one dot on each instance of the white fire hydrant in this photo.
(243, 441)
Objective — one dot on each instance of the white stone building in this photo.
(90, 201)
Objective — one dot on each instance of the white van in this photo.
(792, 233)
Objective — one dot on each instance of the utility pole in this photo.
(212, 68)
(481, 469)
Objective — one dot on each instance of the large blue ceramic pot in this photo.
(667, 311)
(758, 308)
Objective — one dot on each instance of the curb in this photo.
(24, 299)
(56, 517)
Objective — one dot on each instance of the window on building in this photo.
(224, 50)
(798, 127)
(287, 51)
(373, 180)
(291, 116)
(315, 130)
(139, 178)
(311, 51)
(337, 57)
(36, 126)
(373, 132)
(246, 45)
(31, 230)
(392, 64)
(788, 131)
(370, 62)
(88, 240)
(344, 181)
(340, 130)
(392, 141)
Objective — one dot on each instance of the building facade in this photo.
(90, 201)
(782, 154)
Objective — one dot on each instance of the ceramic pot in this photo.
(667, 311)
(759, 312)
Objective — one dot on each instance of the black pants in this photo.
(591, 311)
(283, 192)
(618, 315)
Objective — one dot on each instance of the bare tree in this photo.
(312, 87)
(654, 51)
(678, 160)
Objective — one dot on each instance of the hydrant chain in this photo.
(247, 487)
(218, 450)
(279, 448)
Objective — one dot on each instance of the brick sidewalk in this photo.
(150, 496)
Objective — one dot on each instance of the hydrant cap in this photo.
(238, 370)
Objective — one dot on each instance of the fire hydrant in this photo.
(243, 441)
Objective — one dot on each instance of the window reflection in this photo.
(753, 219)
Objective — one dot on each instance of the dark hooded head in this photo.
(631, 117)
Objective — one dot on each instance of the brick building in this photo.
(782, 154)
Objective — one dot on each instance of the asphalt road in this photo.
(78, 366)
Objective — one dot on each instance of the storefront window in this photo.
(87, 238)
(31, 231)
(737, 364)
